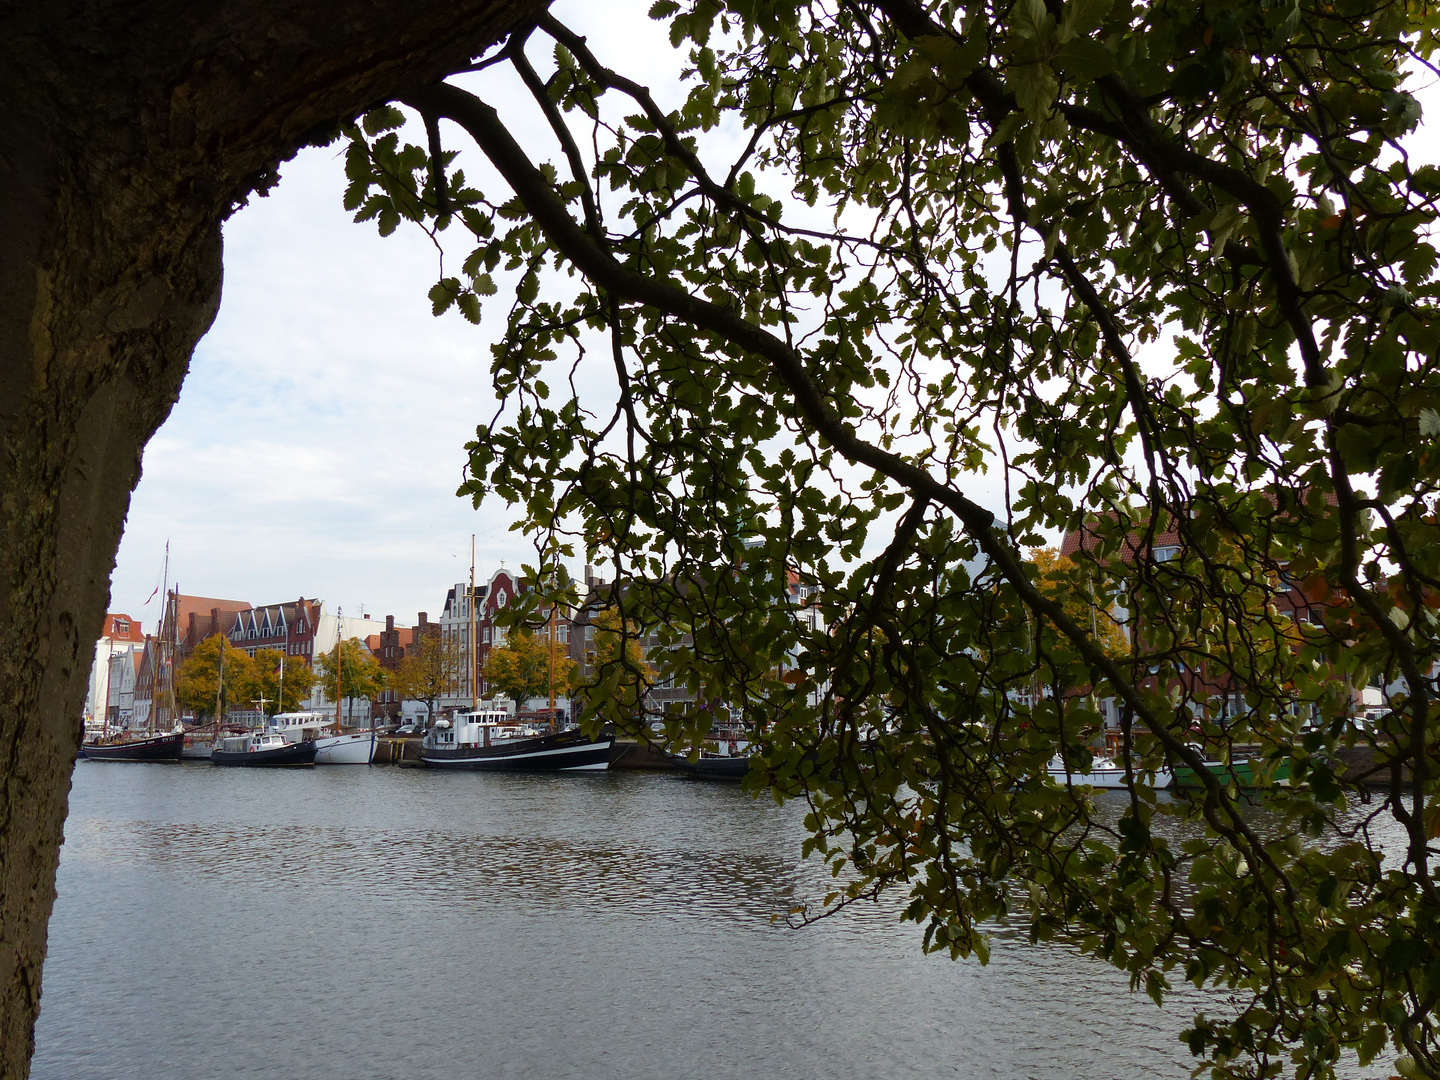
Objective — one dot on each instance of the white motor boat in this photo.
(1104, 773)
(355, 748)
(332, 746)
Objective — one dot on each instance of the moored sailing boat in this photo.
(343, 746)
(1239, 772)
(727, 759)
(347, 748)
(492, 741)
(712, 766)
(137, 746)
(145, 744)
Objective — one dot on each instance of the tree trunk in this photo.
(130, 131)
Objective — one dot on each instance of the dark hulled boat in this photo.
(711, 766)
(725, 756)
(259, 750)
(165, 747)
(492, 741)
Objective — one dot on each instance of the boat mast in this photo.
(105, 724)
(174, 646)
(553, 724)
(280, 690)
(474, 651)
(220, 686)
(159, 671)
(339, 630)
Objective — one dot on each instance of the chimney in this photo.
(389, 623)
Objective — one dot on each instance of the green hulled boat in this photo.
(1238, 771)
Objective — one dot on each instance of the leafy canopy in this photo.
(284, 681)
(429, 670)
(524, 667)
(616, 677)
(973, 275)
(198, 678)
(357, 675)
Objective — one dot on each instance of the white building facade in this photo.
(121, 636)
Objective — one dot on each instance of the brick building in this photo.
(390, 647)
(1206, 686)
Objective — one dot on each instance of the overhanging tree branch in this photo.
(483, 124)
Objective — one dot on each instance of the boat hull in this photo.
(1110, 778)
(302, 753)
(1238, 772)
(713, 768)
(569, 751)
(357, 749)
(165, 747)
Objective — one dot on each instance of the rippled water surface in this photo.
(356, 922)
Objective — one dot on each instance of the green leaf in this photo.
(1083, 17)
(385, 118)
(442, 294)
(1083, 56)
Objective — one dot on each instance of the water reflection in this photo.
(355, 923)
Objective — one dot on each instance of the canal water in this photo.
(378, 922)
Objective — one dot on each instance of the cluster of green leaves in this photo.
(283, 682)
(350, 671)
(614, 677)
(525, 667)
(1165, 270)
(390, 183)
(430, 669)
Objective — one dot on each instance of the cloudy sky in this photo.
(318, 440)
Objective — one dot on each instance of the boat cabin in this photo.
(249, 744)
(298, 727)
(484, 728)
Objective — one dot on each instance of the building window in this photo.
(1166, 553)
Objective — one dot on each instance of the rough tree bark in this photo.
(129, 132)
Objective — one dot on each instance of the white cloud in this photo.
(318, 440)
